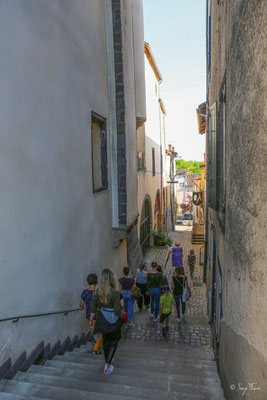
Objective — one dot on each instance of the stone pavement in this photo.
(194, 328)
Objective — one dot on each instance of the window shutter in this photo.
(212, 155)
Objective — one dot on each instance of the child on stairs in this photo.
(165, 309)
(86, 300)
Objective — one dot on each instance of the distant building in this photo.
(153, 200)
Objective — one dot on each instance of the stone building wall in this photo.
(238, 51)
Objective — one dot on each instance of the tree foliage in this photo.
(193, 166)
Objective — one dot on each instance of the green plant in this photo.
(193, 166)
(161, 238)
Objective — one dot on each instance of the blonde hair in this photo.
(177, 244)
(107, 281)
(179, 271)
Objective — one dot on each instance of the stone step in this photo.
(93, 387)
(166, 348)
(13, 396)
(132, 373)
(167, 384)
(158, 354)
(145, 365)
(164, 345)
(113, 389)
(124, 355)
(57, 393)
(193, 353)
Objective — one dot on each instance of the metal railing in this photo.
(17, 318)
(201, 255)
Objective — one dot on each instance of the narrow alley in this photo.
(148, 366)
(194, 329)
(127, 127)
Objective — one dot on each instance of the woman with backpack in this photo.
(164, 278)
(141, 281)
(126, 284)
(154, 285)
(106, 304)
(178, 285)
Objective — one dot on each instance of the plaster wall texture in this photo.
(242, 250)
(53, 74)
(150, 136)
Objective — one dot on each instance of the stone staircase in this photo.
(143, 371)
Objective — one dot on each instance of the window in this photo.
(145, 224)
(182, 184)
(153, 162)
(99, 153)
(220, 173)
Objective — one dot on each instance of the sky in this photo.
(175, 30)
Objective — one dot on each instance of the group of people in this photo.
(107, 308)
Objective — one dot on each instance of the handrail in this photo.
(17, 318)
(201, 255)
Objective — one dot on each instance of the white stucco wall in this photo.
(147, 182)
(138, 49)
(54, 230)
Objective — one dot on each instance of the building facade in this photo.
(236, 176)
(72, 93)
(153, 200)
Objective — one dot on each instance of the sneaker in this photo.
(156, 319)
(178, 320)
(110, 370)
(151, 315)
(164, 332)
(131, 324)
(182, 316)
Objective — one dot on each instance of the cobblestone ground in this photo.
(194, 328)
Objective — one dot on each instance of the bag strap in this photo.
(140, 273)
(178, 281)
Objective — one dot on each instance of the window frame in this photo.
(153, 162)
(102, 121)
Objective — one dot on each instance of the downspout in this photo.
(207, 147)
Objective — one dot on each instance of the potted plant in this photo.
(161, 238)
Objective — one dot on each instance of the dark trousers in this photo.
(178, 299)
(110, 344)
(144, 298)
